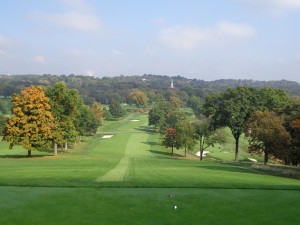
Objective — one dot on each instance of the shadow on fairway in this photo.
(23, 156)
(160, 153)
(228, 169)
(145, 129)
(151, 143)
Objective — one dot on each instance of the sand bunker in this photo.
(107, 136)
(204, 153)
(253, 160)
(134, 120)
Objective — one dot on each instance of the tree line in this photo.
(103, 90)
(50, 117)
(269, 118)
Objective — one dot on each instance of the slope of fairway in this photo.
(131, 179)
(132, 157)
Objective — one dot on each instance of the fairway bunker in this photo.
(134, 120)
(204, 153)
(253, 160)
(107, 136)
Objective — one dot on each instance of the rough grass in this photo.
(127, 179)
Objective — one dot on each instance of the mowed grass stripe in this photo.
(135, 147)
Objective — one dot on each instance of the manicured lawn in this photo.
(126, 179)
(71, 206)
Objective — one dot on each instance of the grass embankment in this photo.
(126, 179)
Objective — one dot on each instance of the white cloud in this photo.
(74, 52)
(76, 20)
(5, 41)
(76, 4)
(78, 17)
(276, 7)
(182, 37)
(288, 4)
(117, 53)
(238, 30)
(39, 59)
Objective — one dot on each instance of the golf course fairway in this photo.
(127, 177)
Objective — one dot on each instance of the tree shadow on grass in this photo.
(161, 153)
(151, 143)
(233, 169)
(23, 156)
(165, 154)
(146, 129)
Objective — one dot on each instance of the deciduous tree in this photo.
(30, 125)
(138, 97)
(266, 133)
(232, 108)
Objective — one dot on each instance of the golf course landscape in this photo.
(123, 175)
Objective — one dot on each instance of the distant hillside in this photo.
(105, 88)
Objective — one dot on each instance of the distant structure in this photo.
(172, 84)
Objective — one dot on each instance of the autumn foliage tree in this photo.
(30, 125)
(172, 139)
(267, 134)
(138, 97)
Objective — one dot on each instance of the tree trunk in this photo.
(266, 157)
(201, 147)
(75, 143)
(172, 150)
(236, 149)
(184, 151)
(55, 148)
(66, 145)
(29, 153)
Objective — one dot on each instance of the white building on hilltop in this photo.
(172, 84)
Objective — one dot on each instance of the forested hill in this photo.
(105, 88)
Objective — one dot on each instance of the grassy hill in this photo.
(124, 176)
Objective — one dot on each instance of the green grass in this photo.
(126, 180)
(69, 206)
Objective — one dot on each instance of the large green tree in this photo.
(3, 108)
(116, 109)
(2, 124)
(30, 125)
(266, 133)
(186, 134)
(64, 107)
(232, 108)
(206, 135)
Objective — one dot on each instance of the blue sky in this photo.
(209, 40)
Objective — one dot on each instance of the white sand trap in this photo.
(107, 136)
(134, 120)
(204, 153)
(253, 160)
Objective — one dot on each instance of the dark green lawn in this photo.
(71, 206)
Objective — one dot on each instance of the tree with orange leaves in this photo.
(30, 125)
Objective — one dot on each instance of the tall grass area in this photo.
(131, 178)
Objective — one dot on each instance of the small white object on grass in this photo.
(175, 207)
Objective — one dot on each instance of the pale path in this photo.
(133, 149)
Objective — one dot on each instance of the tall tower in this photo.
(172, 84)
